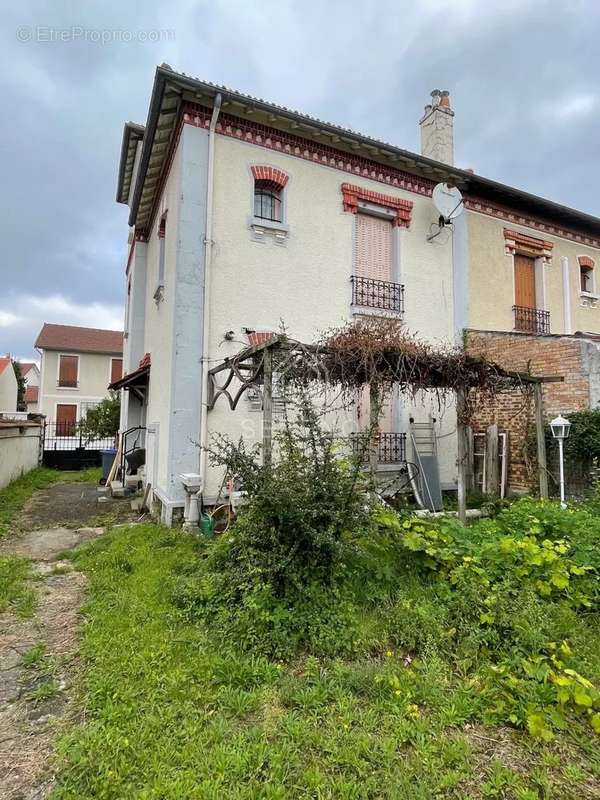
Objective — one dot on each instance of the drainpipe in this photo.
(566, 295)
(208, 243)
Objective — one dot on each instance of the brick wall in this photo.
(571, 357)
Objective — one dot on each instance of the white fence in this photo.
(20, 448)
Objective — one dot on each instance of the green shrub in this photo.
(275, 581)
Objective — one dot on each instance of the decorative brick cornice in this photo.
(275, 176)
(586, 261)
(517, 242)
(353, 194)
(516, 218)
(280, 141)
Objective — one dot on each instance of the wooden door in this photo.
(66, 419)
(525, 281)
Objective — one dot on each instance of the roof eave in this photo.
(465, 180)
(130, 129)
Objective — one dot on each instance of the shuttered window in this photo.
(373, 247)
(66, 419)
(116, 369)
(67, 371)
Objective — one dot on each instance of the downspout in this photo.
(566, 295)
(208, 243)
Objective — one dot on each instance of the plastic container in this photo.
(207, 524)
(108, 456)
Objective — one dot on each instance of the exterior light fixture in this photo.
(561, 428)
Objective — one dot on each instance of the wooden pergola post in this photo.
(463, 453)
(374, 409)
(267, 434)
(540, 439)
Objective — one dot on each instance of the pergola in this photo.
(411, 364)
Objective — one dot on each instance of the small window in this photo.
(162, 230)
(586, 278)
(267, 200)
(116, 369)
(68, 367)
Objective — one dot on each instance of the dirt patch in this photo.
(73, 505)
(38, 655)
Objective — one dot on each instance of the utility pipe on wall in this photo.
(566, 294)
(208, 243)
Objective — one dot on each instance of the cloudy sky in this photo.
(523, 78)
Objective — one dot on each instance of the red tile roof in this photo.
(84, 340)
(26, 366)
(32, 394)
(4, 362)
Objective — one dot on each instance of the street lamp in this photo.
(560, 428)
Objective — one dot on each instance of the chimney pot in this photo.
(437, 128)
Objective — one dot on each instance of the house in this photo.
(31, 372)
(244, 214)
(8, 385)
(77, 364)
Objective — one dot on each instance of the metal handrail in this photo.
(531, 320)
(375, 293)
(124, 450)
(391, 447)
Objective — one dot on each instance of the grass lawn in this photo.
(16, 593)
(14, 496)
(170, 716)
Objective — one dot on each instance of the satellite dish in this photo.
(448, 201)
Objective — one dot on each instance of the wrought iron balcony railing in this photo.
(391, 447)
(373, 293)
(531, 320)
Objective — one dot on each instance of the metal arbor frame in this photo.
(253, 368)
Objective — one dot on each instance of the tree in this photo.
(21, 385)
(102, 421)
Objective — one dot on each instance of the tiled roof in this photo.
(84, 340)
(26, 366)
(32, 394)
(4, 362)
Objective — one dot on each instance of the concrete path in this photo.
(38, 656)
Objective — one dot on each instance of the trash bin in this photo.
(108, 456)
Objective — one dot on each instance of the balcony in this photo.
(381, 295)
(531, 320)
(391, 447)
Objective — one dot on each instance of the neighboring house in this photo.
(77, 364)
(31, 373)
(8, 385)
(244, 214)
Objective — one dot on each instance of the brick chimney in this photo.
(437, 128)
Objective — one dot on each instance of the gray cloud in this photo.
(523, 78)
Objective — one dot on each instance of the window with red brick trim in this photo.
(586, 275)
(269, 184)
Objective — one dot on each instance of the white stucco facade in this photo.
(204, 272)
(8, 386)
(93, 377)
(301, 281)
